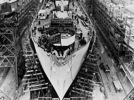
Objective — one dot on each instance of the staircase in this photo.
(33, 79)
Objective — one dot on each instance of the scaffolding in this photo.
(33, 80)
(87, 78)
(112, 23)
(8, 51)
(7, 42)
(24, 15)
(12, 27)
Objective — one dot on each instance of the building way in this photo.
(107, 72)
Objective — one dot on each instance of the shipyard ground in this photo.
(111, 92)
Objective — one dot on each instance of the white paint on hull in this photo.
(61, 77)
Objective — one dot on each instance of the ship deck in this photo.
(82, 26)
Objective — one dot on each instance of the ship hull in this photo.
(61, 77)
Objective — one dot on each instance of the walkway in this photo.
(107, 78)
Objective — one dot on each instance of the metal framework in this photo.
(7, 43)
(86, 79)
(8, 51)
(109, 26)
(33, 80)
(11, 29)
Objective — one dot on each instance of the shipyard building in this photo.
(66, 50)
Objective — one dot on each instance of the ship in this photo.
(62, 35)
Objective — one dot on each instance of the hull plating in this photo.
(61, 77)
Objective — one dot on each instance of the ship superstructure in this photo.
(61, 34)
